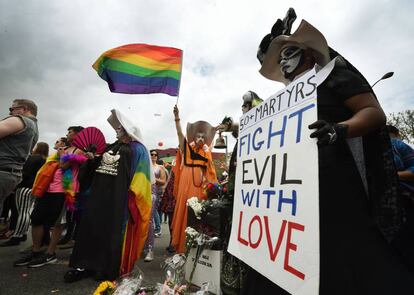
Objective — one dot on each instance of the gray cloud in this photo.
(47, 49)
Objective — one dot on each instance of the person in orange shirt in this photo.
(194, 168)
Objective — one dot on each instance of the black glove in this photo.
(328, 133)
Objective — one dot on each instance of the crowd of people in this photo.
(366, 184)
(115, 199)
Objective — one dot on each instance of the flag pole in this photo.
(181, 74)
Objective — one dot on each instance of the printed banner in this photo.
(275, 225)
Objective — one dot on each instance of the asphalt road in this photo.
(49, 278)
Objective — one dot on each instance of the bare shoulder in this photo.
(74, 150)
(79, 152)
(13, 121)
(11, 125)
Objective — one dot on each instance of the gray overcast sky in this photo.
(47, 49)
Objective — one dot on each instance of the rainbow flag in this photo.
(139, 205)
(141, 69)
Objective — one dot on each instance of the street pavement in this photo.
(49, 278)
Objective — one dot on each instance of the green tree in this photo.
(404, 121)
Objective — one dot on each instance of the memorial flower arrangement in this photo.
(194, 204)
(128, 284)
(208, 216)
(205, 215)
(199, 236)
(213, 190)
(175, 283)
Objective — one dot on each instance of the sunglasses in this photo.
(14, 108)
(290, 52)
(154, 155)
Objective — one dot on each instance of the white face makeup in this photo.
(246, 107)
(289, 59)
(120, 131)
(199, 139)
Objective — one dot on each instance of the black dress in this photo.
(99, 242)
(233, 270)
(30, 168)
(355, 258)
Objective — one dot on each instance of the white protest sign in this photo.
(275, 225)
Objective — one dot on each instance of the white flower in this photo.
(191, 232)
(191, 201)
(194, 204)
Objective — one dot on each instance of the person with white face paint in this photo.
(120, 132)
(193, 170)
(290, 59)
(358, 211)
(114, 225)
(199, 139)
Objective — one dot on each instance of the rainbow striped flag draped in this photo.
(141, 69)
(139, 205)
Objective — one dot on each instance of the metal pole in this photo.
(386, 76)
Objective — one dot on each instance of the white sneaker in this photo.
(149, 257)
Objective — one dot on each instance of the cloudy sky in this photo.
(47, 49)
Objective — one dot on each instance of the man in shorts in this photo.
(18, 136)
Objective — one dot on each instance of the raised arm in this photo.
(178, 128)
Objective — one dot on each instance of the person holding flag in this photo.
(194, 168)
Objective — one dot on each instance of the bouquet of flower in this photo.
(208, 216)
(105, 288)
(175, 283)
(129, 283)
(190, 239)
(195, 205)
(170, 288)
(213, 190)
(174, 268)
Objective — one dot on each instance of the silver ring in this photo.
(332, 137)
